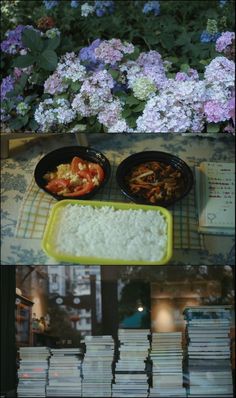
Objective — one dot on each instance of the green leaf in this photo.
(16, 124)
(23, 61)
(114, 73)
(75, 86)
(127, 112)
(53, 43)
(47, 60)
(184, 68)
(131, 122)
(23, 80)
(131, 100)
(213, 128)
(140, 107)
(33, 125)
(32, 40)
(30, 98)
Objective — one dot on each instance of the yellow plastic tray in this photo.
(48, 244)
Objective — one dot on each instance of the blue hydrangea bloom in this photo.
(207, 37)
(74, 4)
(104, 7)
(152, 7)
(49, 4)
(87, 56)
(222, 3)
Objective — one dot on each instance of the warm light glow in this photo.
(140, 308)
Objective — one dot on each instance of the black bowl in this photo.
(129, 163)
(65, 155)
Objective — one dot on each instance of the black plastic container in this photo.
(130, 162)
(65, 155)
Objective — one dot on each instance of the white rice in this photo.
(111, 233)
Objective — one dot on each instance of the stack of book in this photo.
(97, 366)
(130, 372)
(166, 355)
(64, 375)
(33, 371)
(209, 351)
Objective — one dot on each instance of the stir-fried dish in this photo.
(155, 181)
(74, 179)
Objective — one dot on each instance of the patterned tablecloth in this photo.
(25, 208)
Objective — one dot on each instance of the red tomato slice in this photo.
(96, 170)
(57, 184)
(82, 190)
(75, 162)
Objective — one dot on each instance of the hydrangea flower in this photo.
(112, 51)
(212, 27)
(178, 108)
(111, 114)
(220, 70)
(86, 9)
(216, 111)
(191, 74)
(87, 55)
(49, 4)
(53, 112)
(152, 7)
(224, 41)
(51, 33)
(120, 127)
(222, 3)
(143, 87)
(148, 65)
(207, 37)
(54, 85)
(7, 86)
(94, 94)
(22, 108)
(13, 43)
(104, 7)
(74, 3)
(70, 68)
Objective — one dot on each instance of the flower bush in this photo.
(168, 71)
(111, 86)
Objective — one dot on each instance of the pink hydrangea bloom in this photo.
(112, 51)
(216, 111)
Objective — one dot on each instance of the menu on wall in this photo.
(215, 191)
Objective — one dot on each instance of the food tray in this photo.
(48, 242)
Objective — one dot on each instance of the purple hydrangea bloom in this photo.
(104, 7)
(224, 41)
(192, 74)
(7, 86)
(13, 43)
(152, 7)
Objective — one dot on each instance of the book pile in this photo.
(130, 372)
(215, 194)
(97, 366)
(33, 371)
(167, 365)
(64, 375)
(209, 351)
